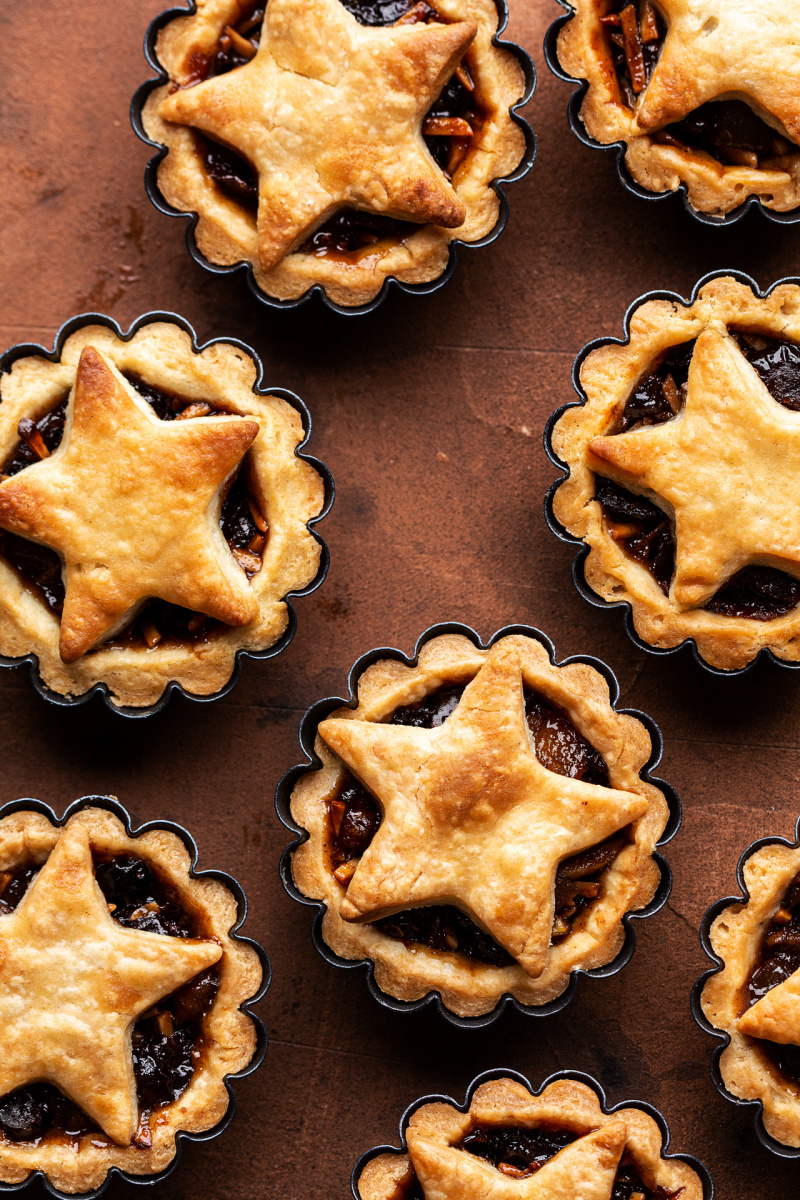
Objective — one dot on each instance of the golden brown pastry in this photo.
(479, 825)
(702, 92)
(120, 998)
(682, 476)
(153, 513)
(512, 1145)
(755, 997)
(331, 143)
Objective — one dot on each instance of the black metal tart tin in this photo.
(112, 805)
(307, 734)
(419, 289)
(499, 1073)
(620, 148)
(582, 552)
(757, 1108)
(26, 349)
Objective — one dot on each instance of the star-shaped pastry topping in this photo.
(586, 1168)
(73, 982)
(470, 815)
(728, 467)
(776, 1016)
(329, 113)
(131, 504)
(718, 47)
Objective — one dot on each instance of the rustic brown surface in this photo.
(471, 374)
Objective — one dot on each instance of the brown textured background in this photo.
(429, 414)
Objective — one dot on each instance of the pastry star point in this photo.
(136, 523)
(727, 467)
(73, 982)
(477, 773)
(452, 1174)
(369, 89)
(717, 47)
(776, 1016)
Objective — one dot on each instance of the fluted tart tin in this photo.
(572, 1108)
(158, 360)
(352, 284)
(95, 837)
(334, 820)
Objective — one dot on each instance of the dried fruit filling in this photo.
(643, 529)
(448, 130)
(354, 817)
(242, 523)
(778, 958)
(728, 130)
(167, 1042)
(519, 1152)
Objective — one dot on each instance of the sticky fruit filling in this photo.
(448, 130)
(520, 1151)
(727, 130)
(167, 1042)
(644, 531)
(157, 623)
(354, 817)
(778, 958)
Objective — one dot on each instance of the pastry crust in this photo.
(226, 233)
(230, 1036)
(736, 936)
(717, 51)
(607, 376)
(289, 491)
(467, 987)
(565, 1104)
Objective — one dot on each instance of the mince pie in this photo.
(755, 997)
(120, 999)
(702, 93)
(479, 824)
(683, 473)
(336, 143)
(513, 1145)
(153, 513)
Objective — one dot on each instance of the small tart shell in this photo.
(467, 987)
(289, 491)
(607, 377)
(564, 1104)
(226, 232)
(229, 1034)
(736, 936)
(711, 186)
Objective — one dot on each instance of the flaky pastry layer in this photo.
(229, 1034)
(564, 1104)
(467, 987)
(289, 491)
(226, 233)
(608, 376)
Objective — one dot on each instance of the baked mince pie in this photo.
(336, 143)
(121, 988)
(153, 512)
(510, 1144)
(479, 825)
(754, 998)
(683, 477)
(702, 93)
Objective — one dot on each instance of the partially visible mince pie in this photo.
(512, 1145)
(336, 143)
(153, 513)
(120, 999)
(702, 93)
(684, 477)
(479, 825)
(755, 997)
